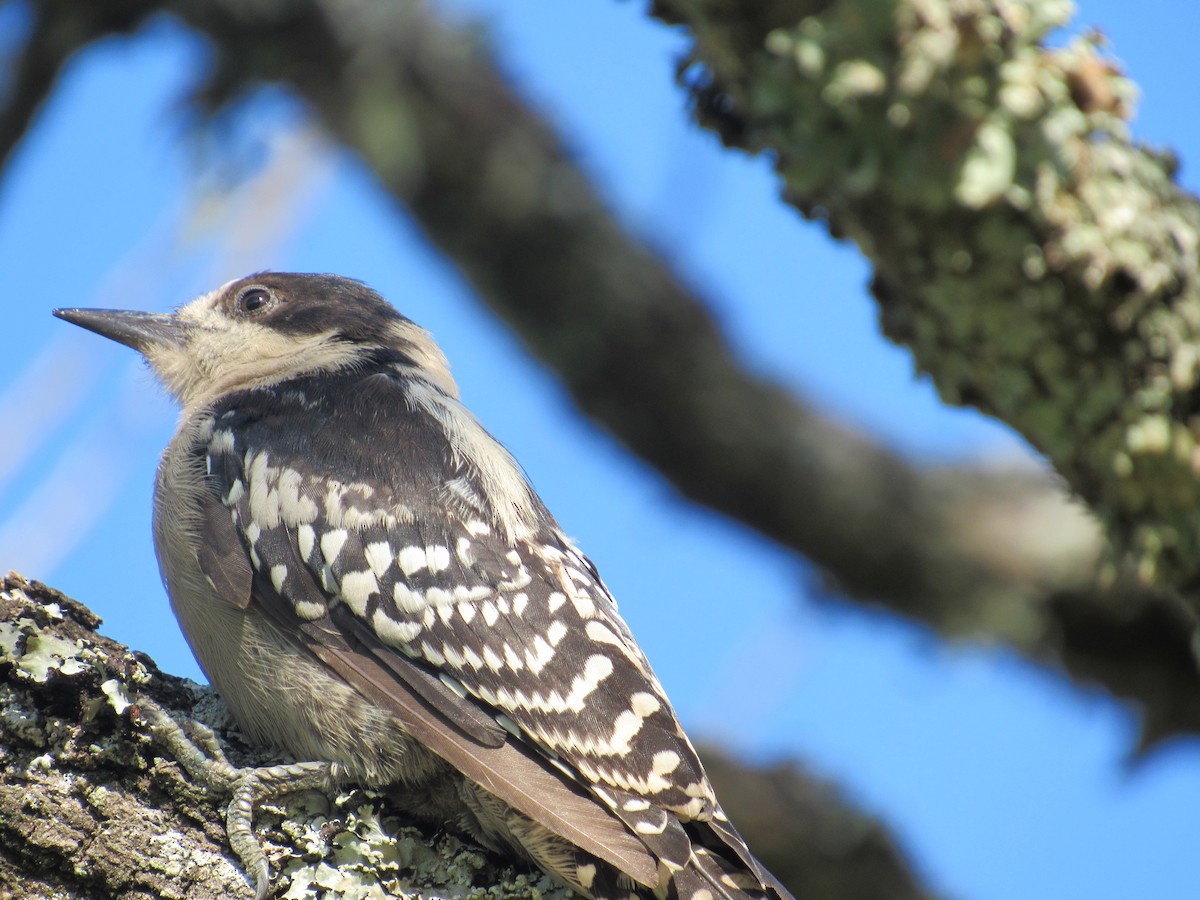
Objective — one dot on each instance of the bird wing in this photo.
(406, 589)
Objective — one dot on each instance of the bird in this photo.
(369, 581)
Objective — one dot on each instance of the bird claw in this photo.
(202, 757)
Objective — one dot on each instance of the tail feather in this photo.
(710, 876)
(699, 860)
(724, 837)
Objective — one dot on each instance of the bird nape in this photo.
(367, 578)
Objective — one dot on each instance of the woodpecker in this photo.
(368, 579)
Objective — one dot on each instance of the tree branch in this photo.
(1040, 265)
(59, 30)
(808, 835)
(89, 807)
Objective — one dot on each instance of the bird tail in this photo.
(710, 876)
(721, 867)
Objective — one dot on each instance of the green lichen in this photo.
(117, 694)
(12, 636)
(1037, 263)
(354, 850)
(35, 655)
(177, 857)
(989, 166)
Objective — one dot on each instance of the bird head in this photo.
(264, 329)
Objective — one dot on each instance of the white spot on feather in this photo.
(506, 723)
(604, 795)
(411, 559)
(583, 603)
(306, 539)
(432, 655)
(595, 670)
(454, 684)
(236, 491)
(221, 441)
(264, 499)
(332, 543)
(556, 632)
(663, 764)
(586, 875)
(294, 507)
(514, 661)
(406, 599)
(691, 809)
(645, 704)
(472, 659)
(518, 581)
(490, 615)
(492, 659)
(437, 558)
(379, 557)
(357, 588)
(538, 655)
(602, 634)
(439, 596)
(309, 609)
(645, 827)
(462, 593)
(392, 632)
(629, 723)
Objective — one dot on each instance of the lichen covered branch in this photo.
(1041, 266)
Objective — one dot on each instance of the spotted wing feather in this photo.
(435, 715)
(404, 562)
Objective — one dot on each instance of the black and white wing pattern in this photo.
(433, 562)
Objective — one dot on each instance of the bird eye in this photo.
(255, 300)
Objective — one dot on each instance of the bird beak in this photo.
(139, 330)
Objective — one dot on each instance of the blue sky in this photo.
(999, 780)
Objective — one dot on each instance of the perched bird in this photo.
(369, 581)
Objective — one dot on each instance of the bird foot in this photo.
(202, 757)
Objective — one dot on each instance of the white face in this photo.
(268, 328)
(224, 350)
